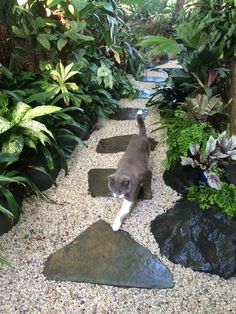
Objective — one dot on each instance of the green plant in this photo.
(182, 131)
(201, 106)
(61, 87)
(217, 152)
(225, 198)
(19, 127)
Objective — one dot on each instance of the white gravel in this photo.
(44, 228)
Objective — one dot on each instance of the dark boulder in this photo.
(202, 240)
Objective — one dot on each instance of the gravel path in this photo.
(44, 228)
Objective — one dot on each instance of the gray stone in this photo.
(127, 113)
(146, 94)
(97, 179)
(154, 79)
(101, 256)
(118, 144)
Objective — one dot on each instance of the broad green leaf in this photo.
(31, 142)
(40, 111)
(43, 40)
(13, 145)
(84, 37)
(5, 125)
(40, 97)
(61, 43)
(19, 112)
(35, 134)
(5, 157)
(35, 126)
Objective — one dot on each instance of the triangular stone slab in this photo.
(101, 256)
(145, 94)
(154, 79)
(118, 144)
(127, 113)
(97, 179)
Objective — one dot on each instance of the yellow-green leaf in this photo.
(19, 112)
(5, 125)
(40, 111)
(13, 145)
(35, 126)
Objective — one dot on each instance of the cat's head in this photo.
(120, 184)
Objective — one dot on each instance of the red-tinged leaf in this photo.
(212, 77)
(213, 180)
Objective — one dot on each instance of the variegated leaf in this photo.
(55, 76)
(186, 161)
(31, 142)
(13, 145)
(232, 143)
(232, 154)
(19, 112)
(40, 111)
(222, 140)
(218, 154)
(213, 180)
(211, 145)
(38, 135)
(72, 86)
(5, 125)
(194, 149)
(36, 126)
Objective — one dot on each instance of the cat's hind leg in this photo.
(124, 212)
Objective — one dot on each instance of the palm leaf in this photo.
(162, 45)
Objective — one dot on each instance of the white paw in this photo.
(116, 225)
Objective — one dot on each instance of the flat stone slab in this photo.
(127, 113)
(97, 179)
(146, 94)
(101, 256)
(154, 79)
(118, 144)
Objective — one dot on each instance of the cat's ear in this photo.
(111, 178)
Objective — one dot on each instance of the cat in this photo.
(126, 181)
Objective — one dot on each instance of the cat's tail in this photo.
(141, 124)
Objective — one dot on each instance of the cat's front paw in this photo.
(116, 225)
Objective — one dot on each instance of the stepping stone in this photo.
(167, 70)
(154, 79)
(127, 113)
(118, 144)
(97, 179)
(145, 94)
(101, 256)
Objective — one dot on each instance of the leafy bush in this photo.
(182, 131)
(225, 199)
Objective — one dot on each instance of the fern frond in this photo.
(162, 45)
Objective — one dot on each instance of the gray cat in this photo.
(132, 167)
